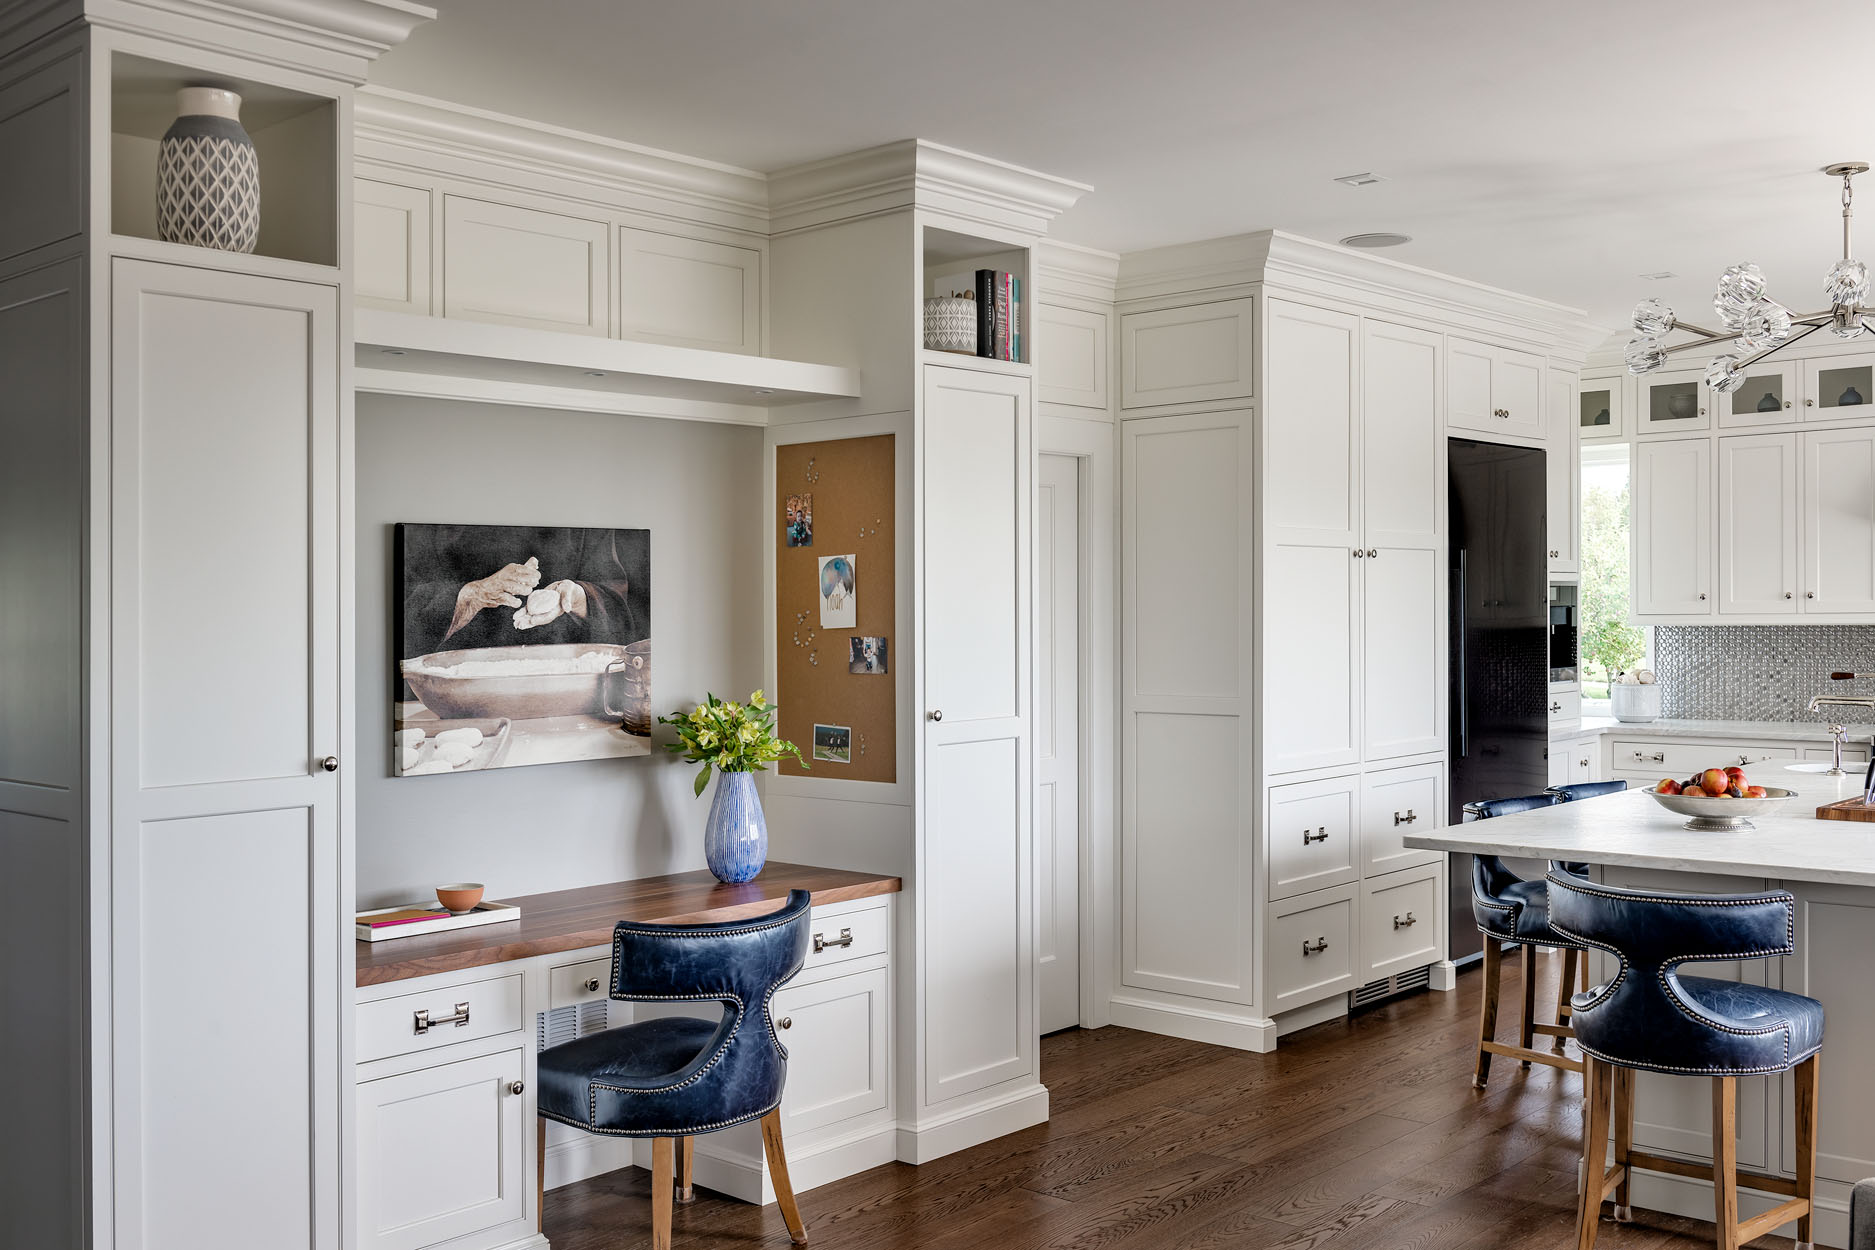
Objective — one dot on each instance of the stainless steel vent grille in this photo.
(563, 1024)
(1390, 987)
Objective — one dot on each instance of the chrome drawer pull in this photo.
(592, 985)
(821, 943)
(1320, 835)
(1659, 757)
(1320, 945)
(1407, 819)
(1407, 923)
(423, 1024)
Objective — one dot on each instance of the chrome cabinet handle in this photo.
(1788, 595)
(1373, 553)
(421, 1022)
(1555, 706)
(592, 985)
(935, 715)
(786, 1022)
(1359, 554)
(517, 1088)
(821, 943)
(1702, 594)
(1320, 835)
(1808, 594)
(1809, 403)
(329, 764)
(1320, 945)
(1407, 923)
(1787, 403)
(1659, 757)
(1407, 819)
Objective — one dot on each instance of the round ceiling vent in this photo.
(1380, 239)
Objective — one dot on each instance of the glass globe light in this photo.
(1652, 318)
(1846, 283)
(1766, 325)
(1740, 289)
(1645, 354)
(1723, 375)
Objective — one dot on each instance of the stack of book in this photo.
(999, 314)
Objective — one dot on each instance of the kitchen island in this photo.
(1630, 840)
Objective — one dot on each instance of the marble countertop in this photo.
(1740, 730)
(1633, 830)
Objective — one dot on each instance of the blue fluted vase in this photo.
(735, 839)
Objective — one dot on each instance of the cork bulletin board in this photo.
(835, 582)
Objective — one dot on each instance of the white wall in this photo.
(698, 488)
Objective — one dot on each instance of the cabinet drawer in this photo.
(1565, 705)
(1395, 803)
(1311, 836)
(579, 983)
(1184, 355)
(1400, 922)
(391, 1026)
(1680, 759)
(1311, 948)
(838, 1035)
(1851, 753)
(847, 935)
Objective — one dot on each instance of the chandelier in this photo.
(1757, 323)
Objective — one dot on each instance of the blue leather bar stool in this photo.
(1588, 789)
(1569, 983)
(1510, 909)
(1650, 1018)
(673, 1077)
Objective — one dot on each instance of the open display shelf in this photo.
(950, 261)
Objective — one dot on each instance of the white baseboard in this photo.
(1680, 1195)
(949, 1131)
(1196, 1024)
(1313, 1014)
(585, 1155)
(1444, 977)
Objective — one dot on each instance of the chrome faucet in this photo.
(1840, 732)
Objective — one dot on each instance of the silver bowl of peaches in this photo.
(1718, 800)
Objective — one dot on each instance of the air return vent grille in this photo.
(563, 1024)
(1390, 987)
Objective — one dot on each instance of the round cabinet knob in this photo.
(786, 1022)
(1809, 403)
(517, 1088)
(1808, 594)
(1788, 595)
(1702, 594)
(1373, 553)
(935, 715)
(329, 764)
(592, 985)
(1787, 403)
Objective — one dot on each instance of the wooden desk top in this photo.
(570, 920)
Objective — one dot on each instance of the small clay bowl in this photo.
(459, 897)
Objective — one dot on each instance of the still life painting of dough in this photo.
(520, 645)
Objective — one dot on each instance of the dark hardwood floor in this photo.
(1360, 1134)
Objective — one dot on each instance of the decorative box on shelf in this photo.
(483, 913)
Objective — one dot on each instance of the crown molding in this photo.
(336, 38)
(400, 129)
(1070, 269)
(916, 173)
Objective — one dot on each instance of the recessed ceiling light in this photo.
(595, 373)
(760, 391)
(1359, 180)
(1661, 276)
(391, 351)
(1380, 238)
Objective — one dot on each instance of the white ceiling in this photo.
(1559, 150)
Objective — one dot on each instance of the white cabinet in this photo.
(1602, 407)
(1767, 397)
(523, 267)
(391, 231)
(976, 874)
(1070, 356)
(1312, 951)
(1563, 463)
(1187, 354)
(689, 292)
(838, 1034)
(1673, 401)
(1672, 539)
(224, 445)
(1314, 835)
(1758, 524)
(1584, 756)
(1494, 391)
(1400, 922)
(442, 1152)
(1394, 803)
(1839, 520)
(1838, 386)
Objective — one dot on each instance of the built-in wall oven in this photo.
(1562, 631)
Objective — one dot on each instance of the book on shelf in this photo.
(999, 314)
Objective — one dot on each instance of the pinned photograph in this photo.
(833, 742)
(839, 605)
(868, 655)
(800, 526)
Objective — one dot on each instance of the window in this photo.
(1609, 643)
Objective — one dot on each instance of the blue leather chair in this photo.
(1509, 909)
(673, 1077)
(1651, 1018)
(1588, 789)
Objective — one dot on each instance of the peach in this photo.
(1714, 781)
(1692, 792)
(1754, 792)
(1668, 786)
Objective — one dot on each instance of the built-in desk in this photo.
(448, 1026)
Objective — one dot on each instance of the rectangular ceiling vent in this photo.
(1359, 180)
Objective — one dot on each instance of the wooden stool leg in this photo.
(778, 1169)
(1624, 1141)
(540, 1173)
(1527, 1035)
(686, 1157)
(1725, 1160)
(1565, 986)
(1597, 1094)
(1809, 1079)
(661, 1182)
(1487, 1021)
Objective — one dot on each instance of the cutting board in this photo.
(1846, 809)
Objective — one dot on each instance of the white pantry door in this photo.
(1058, 739)
(225, 672)
(976, 891)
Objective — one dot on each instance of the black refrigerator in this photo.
(1498, 591)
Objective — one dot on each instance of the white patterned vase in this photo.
(207, 177)
(950, 324)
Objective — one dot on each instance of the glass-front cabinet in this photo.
(1601, 407)
(1674, 401)
(1838, 382)
(1768, 396)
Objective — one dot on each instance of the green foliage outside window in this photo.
(1609, 644)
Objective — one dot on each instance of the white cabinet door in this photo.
(522, 267)
(1311, 426)
(1673, 528)
(391, 233)
(976, 915)
(1394, 803)
(1564, 463)
(838, 1035)
(1186, 355)
(1058, 740)
(689, 292)
(225, 693)
(1758, 524)
(1402, 470)
(1403, 658)
(1673, 401)
(1517, 391)
(1601, 407)
(1768, 396)
(442, 1152)
(1070, 356)
(1311, 668)
(1839, 520)
(1468, 399)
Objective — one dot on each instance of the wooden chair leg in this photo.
(1597, 1095)
(778, 1171)
(1565, 986)
(540, 1173)
(1527, 1034)
(1725, 1160)
(1624, 1142)
(661, 1185)
(686, 1157)
(1809, 1077)
(1487, 1022)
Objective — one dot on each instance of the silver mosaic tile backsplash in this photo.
(1759, 672)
